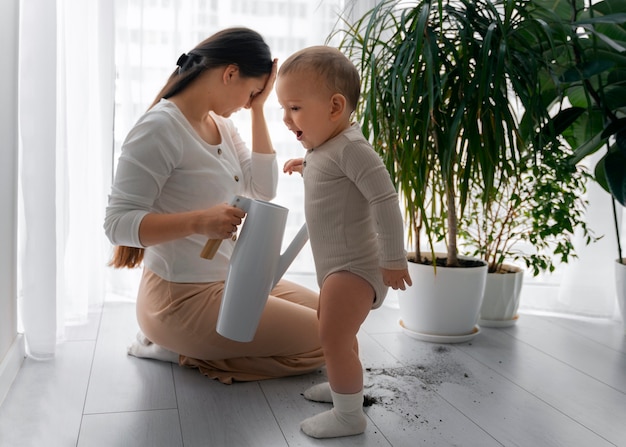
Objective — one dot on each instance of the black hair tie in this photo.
(182, 60)
(186, 61)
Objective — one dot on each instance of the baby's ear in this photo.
(338, 105)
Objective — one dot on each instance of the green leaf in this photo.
(586, 70)
(615, 127)
(617, 19)
(562, 120)
(615, 168)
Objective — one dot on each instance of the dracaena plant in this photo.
(442, 81)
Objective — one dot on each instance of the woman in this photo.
(180, 164)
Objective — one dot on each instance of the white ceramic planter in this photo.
(502, 298)
(620, 284)
(445, 304)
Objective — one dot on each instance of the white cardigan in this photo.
(165, 167)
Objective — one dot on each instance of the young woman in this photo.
(180, 165)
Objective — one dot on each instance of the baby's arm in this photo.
(294, 165)
(366, 170)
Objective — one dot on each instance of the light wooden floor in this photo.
(545, 382)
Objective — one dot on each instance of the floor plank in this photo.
(611, 334)
(574, 349)
(214, 414)
(87, 330)
(45, 403)
(503, 409)
(120, 382)
(580, 397)
(158, 428)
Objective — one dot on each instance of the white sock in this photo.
(319, 393)
(145, 349)
(345, 419)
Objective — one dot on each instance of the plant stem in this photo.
(619, 244)
(452, 260)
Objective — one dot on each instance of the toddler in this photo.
(354, 222)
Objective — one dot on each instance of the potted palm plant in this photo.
(441, 80)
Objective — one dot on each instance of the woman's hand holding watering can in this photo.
(220, 221)
(225, 220)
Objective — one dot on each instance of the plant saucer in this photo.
(440, 338)
(498, 323)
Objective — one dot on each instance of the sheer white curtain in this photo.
(65, 119)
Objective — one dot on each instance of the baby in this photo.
(354, 222)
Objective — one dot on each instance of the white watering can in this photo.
(255, 266)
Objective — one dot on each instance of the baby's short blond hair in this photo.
(332, 67)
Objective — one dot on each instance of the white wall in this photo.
(11, 344)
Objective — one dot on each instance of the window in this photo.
(143, 63)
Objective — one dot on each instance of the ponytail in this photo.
(129, 257)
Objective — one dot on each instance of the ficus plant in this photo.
(533, 217)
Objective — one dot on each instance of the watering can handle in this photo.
(211, 246)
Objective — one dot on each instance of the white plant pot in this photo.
(442, 305)
(502, 298)
(620, 284)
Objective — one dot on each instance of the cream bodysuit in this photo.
(352, 211)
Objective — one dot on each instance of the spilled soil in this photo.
(404, 390)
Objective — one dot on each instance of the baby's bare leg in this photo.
(345, 301)
(321, 392)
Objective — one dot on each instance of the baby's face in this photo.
(307, 108)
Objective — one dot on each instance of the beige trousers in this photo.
(182, 317)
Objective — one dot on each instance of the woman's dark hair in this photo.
(239, 46)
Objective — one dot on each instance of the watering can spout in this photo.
(290, 253)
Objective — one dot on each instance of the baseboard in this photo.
(10, 365)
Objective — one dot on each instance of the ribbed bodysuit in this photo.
(352, 211)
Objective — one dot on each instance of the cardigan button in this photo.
(234, 238)
(236, 178)
(219, 151)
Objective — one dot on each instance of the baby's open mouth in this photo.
(298, 134)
